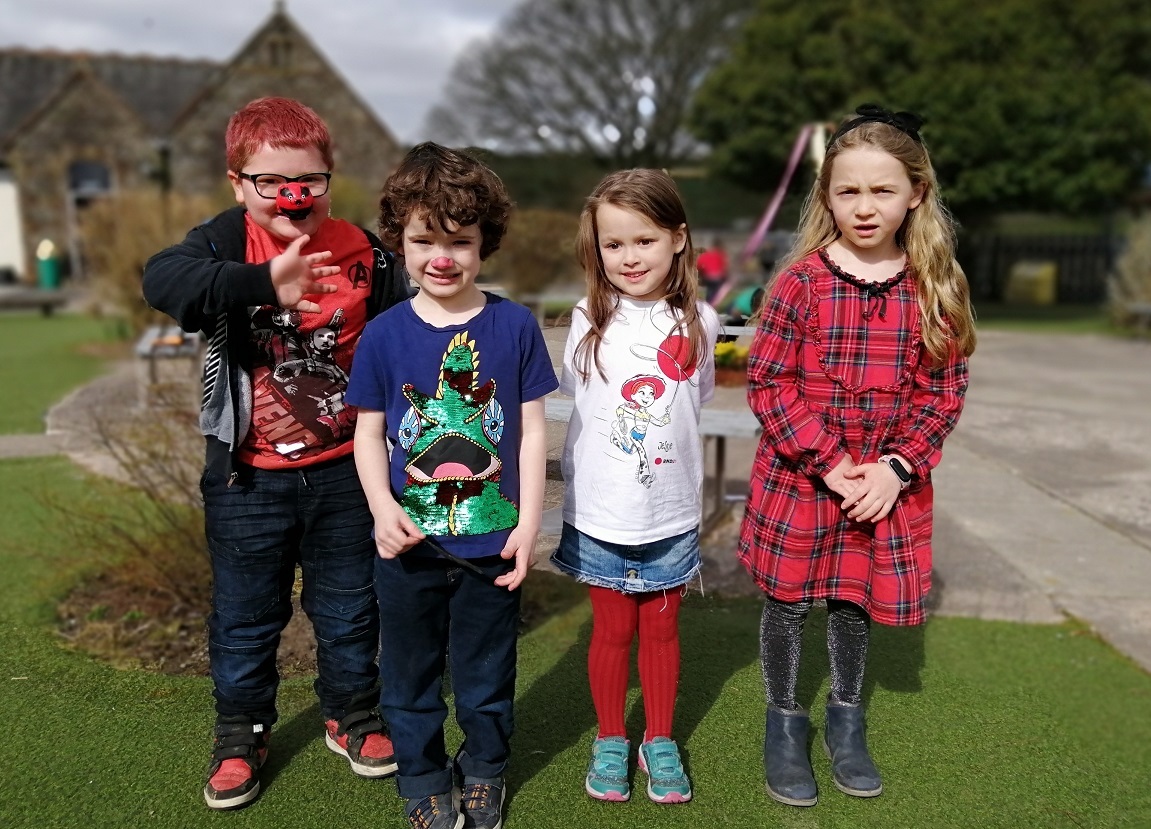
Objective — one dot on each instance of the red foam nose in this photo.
(294, 196)
(442, 263)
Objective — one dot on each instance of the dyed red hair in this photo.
(279, 123)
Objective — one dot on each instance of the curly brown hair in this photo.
(451, 188)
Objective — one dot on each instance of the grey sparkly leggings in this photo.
(781, 641)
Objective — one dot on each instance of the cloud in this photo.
(396, 55)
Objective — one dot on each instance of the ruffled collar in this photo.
(876, 291)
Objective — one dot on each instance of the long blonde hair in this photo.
(927, 236)
(653, 195)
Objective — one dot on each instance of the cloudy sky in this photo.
(395, 53)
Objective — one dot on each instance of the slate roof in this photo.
(157, 89)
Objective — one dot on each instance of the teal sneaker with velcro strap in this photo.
(666, 780)
(607, 774)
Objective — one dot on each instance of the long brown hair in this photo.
(927, 236)
(653, 195)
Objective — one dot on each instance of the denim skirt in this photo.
(629, 568)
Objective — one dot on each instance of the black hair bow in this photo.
(906, 122)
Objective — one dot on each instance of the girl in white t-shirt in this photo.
(640, 363)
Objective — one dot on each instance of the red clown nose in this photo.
(294, 200)
(442, 263)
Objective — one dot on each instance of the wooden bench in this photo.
(539, 302)
(737, 331)
(23, 298)
(1141, 311)
(715, 425)
(167, 356)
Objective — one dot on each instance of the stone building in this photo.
(77, 127)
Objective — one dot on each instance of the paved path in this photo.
(1043, 498)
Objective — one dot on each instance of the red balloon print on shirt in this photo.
(673, 358)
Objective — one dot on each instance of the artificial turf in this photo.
(974, 724)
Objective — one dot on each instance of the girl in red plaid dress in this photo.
(857, 373)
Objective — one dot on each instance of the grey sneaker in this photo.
(482, 802)
(436, 811)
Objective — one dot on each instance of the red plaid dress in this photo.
(837, 369)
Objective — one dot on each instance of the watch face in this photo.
(898, 468)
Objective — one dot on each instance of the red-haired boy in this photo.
(282, 293)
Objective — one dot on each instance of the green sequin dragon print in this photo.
(450, 437)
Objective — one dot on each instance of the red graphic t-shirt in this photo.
(301, 361)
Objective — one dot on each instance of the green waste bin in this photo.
(47, 266)
(48, 272)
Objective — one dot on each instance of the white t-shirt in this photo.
(633, 460)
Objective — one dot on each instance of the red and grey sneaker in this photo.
(363, 738)
(239, 749)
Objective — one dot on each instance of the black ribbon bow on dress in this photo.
(906, 122)
(877, 300)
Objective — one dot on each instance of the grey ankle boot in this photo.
(846, 743)
(789, 777)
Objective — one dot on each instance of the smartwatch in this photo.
(901, 471)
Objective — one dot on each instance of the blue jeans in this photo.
(432, 612)
(258, 530)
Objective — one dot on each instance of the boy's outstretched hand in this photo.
(294, 276)
(521, 544)
(876, 491)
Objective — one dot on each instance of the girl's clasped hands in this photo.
(869, 490)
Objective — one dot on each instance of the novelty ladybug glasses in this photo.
(268, 184)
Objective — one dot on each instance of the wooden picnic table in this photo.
(715, 425)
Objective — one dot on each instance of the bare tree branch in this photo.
(610, 79)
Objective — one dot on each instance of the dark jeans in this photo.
(258, 530)
(432, 611)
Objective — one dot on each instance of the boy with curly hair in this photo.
(453, 380)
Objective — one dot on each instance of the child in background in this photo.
(857, 372)
(454, 381)
(282, 292)
(639, 362)
(712, 266)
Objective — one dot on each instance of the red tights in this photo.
(616, 619)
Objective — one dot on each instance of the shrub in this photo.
(120, 233)
(1131, 280)
(538, 251)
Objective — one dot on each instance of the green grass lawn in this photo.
(974, 724)
(1048, 319)
(42, 360)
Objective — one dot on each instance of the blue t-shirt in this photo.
(451, 400)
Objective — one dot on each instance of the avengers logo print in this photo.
(359, 275)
